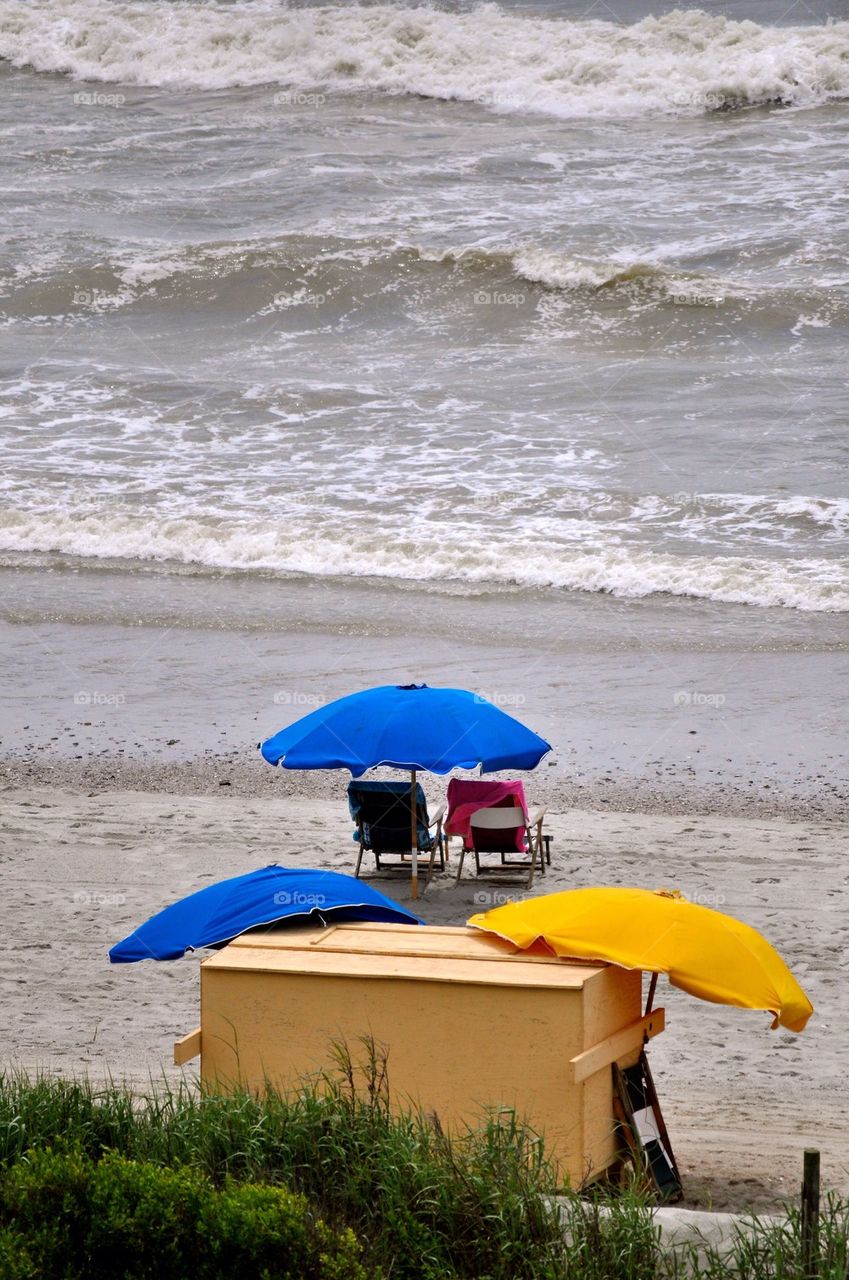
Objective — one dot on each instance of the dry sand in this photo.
(81, 869)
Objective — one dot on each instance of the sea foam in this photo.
(686, 62)
(810, 585)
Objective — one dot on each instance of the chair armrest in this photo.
(534, 831)
(437, 817)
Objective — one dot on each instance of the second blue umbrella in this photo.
(223, 910)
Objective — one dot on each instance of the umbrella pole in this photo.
(414, 835)
(650, 997)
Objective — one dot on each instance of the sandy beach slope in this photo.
(81, 869)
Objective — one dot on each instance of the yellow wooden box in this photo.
(469, 1023)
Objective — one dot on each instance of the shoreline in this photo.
(231, 773)
(658, 706)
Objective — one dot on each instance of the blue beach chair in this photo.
(381, 811)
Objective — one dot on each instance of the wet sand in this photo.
(648, 703)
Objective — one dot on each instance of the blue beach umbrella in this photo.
(407, 727)
(222, 911)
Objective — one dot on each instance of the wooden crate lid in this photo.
(433, 953)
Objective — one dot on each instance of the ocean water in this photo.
(485, 298)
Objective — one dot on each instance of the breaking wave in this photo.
(310, 274)
(685, 62)
(811, 585)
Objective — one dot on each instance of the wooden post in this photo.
(650, 996)
(810, 1214)
(414, 831)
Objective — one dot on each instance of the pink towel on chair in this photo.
(466, 796)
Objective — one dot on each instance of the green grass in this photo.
(422, 1207)
(398, 1200)
(770, 1250)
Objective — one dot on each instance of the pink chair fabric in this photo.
(466, 796)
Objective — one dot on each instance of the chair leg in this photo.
(535, 850)
(359, 860)
(460, 866)
(429, 875)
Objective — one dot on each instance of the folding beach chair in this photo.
(642, 1129)
(381, 811)
(492, 818)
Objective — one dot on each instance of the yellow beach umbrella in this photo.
(705, 952)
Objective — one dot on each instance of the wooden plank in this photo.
(632, 1037)
(296, 936)
(187, 1048)
(321, 938)
(404, 940)
(489, 971)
